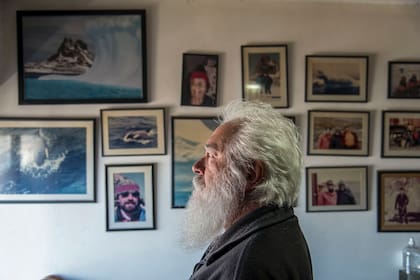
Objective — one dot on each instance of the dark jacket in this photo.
(265, 244)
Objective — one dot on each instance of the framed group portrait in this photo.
(404, 79)
(129, 132)
(47, 160)
(130, 197)
(401, 134)
(338, 133)
(336, 78)
(265, 74)
(398, 200)
(199, 79)
(82, 56)
(189, 136)
(336, 188)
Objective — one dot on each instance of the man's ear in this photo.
(255, 176)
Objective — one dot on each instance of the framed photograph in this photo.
(336, 188)
(130, 203)
(404, 79)
(90, 56)
(199, 79)
(47, 160)
(398, 203)
(264, 74)
(336, 78)
(338, 133)
(401, 134)
(129, 132)
(189, 136)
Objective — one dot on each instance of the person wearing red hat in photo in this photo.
(129, 203)
(198, 87)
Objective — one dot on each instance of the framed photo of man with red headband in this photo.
(130, 197)
(199, 80)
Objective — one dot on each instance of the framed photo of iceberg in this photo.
(336, 78)
(130, 197)
(130, 132)
(47, 160)
(189, 136)
(89, 56)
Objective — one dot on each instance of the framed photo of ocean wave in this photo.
(47, 160)
(130, 132)
(189, 136)
(336, 78)
(86, 56)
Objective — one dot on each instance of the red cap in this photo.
(199, 75)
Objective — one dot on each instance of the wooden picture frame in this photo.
(336, 188)
(130, 197)
(404, 79)
(338, 133)
(336, 78)
(189, 136)
(265, 74)
(47, 160)
(199, 79)
(400, 134)
(398, 204)
(82, 56)
(129, 132)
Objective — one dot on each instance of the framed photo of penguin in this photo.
(130, 197)
(398, 200)
(47, 160)
(265, 74)
(336, 78)
(130, 132)
(84, 56)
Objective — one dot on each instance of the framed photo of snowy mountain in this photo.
(133, 132)
(47, 160)
(86, 56)
(189, 136)
(336, 78)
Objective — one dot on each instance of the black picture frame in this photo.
(81, 56)
(48, 160)
(395, 212)
(189, 136)
(135, 178)
(404, 79)
(338, 133)
(199, 75)
(400, 134)
(265, 74)
(331, 78)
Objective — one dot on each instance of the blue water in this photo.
(336, 88)
(120, 126)
(183, 176)
(36, 89)
(43, 161)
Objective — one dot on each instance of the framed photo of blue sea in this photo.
(189, 136)
(336, 78)
(130, 197)
(129, 132)
(47, 160)
(84, 56)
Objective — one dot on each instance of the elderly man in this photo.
(129, 204)
(245, 187)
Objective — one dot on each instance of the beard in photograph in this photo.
(210, 206)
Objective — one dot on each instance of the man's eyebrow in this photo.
(210, 146)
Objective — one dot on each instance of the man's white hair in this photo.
(265, 135)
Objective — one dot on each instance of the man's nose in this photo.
(198, 167)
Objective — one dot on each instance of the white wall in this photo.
(70, 239)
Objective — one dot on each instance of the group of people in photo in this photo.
(338, 138)
(329, 193)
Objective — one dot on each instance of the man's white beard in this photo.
(209, 207)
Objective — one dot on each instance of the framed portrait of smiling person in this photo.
(199, 80)
(130, 197)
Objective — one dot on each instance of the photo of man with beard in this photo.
(245, 188)
(129, 205)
